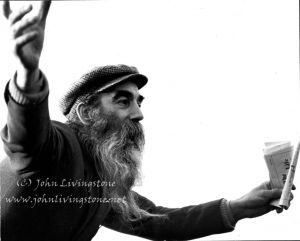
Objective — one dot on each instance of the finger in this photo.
(279, 210)
(272, 194)
(23, 40)
(22, 25)
(269, 208)
(6, 9)
(45, 9)
(16, 16)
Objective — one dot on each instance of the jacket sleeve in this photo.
(28, 129)
(177, 223)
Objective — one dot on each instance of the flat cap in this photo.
(96, 80)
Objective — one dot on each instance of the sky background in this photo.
(223, 79)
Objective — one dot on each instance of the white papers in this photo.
(281, 164)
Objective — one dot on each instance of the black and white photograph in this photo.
(149, 120)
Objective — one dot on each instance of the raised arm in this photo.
(28, 123)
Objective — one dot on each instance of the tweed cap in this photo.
(97, 80)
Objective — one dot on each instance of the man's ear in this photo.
(82, 114)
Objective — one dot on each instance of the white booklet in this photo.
(281, 160)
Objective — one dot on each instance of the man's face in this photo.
(124, 101)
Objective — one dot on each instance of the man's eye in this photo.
(123, 102)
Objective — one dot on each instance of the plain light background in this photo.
(223, 79)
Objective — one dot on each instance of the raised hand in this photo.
(27, 37)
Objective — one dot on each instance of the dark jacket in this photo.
(40, 150)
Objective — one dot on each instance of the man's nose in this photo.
(136, 113)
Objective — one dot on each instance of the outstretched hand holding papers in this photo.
(281, 163)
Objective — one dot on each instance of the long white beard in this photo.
(116, 147)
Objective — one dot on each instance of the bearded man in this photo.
(61, 181)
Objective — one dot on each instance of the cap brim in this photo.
(139, 79)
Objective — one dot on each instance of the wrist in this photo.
(236, 210)
(28, 81)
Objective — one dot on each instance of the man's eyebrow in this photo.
(123, 93)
